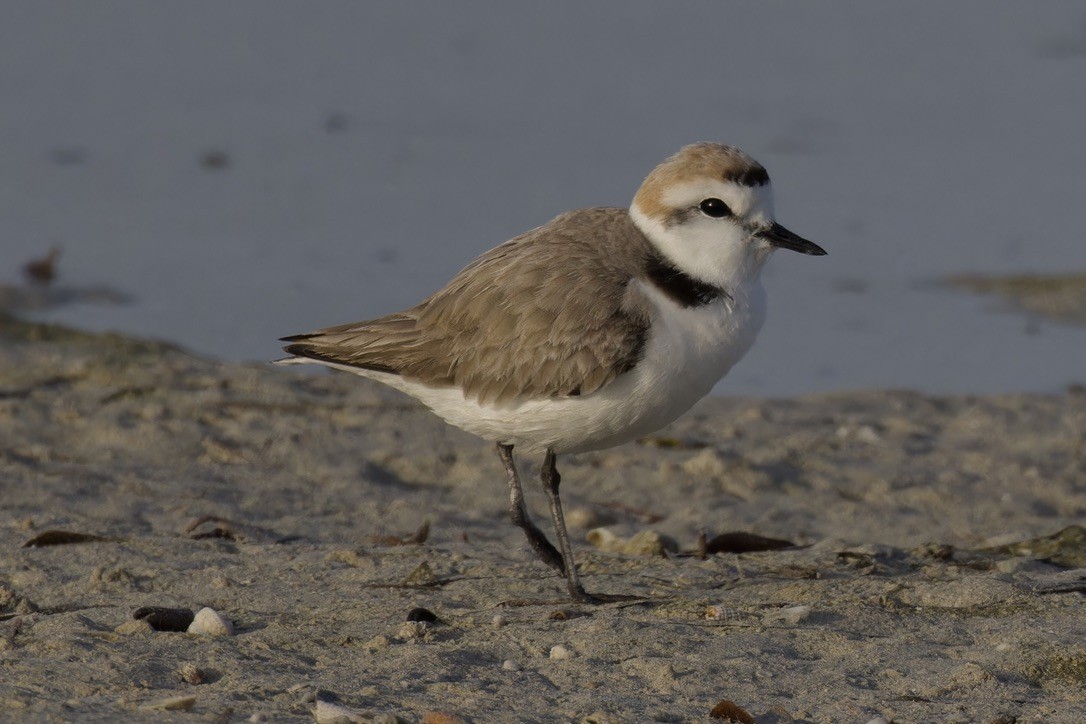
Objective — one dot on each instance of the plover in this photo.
(593, 330)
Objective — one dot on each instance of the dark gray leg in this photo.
(551, 480)
(539, 542)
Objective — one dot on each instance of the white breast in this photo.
(688, 350)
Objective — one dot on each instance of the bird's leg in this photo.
(551, 479)
(540, 544)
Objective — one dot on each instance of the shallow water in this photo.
(255, 170)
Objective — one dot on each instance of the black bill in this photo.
(777, 235)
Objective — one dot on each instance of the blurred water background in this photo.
(239, 171)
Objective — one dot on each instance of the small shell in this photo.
(561, 653)
(717, 612)
(210, 622)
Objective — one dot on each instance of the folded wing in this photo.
(550, 313)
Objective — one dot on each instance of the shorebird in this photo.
(595, 329)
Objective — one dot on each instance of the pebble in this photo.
(866, 434)
(498, 621)
(643, 543)
(192, 674)
(510, 665)
(413, 631)
(791, 614)
(328, 713)
(706, 464)
(731, 712)
(210, 622)
(561, 653)
(441, 717)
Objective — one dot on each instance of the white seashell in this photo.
(210, 622)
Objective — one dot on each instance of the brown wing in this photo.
(549, 313)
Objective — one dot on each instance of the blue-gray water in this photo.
(373, 149)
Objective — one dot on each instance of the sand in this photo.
(908, 594)
(1054, 296)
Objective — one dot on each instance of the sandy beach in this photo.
(879, 517)
(936, 573)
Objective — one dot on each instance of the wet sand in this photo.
(908, 594)
(1060, 297)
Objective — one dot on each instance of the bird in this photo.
(595, 329)
(42, 271)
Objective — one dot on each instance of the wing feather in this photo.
(549, 313)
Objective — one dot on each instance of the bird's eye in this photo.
(715, 208)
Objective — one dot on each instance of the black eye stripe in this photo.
(715, 208)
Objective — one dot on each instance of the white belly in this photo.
(687, 352)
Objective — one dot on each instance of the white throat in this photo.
(714, 251)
